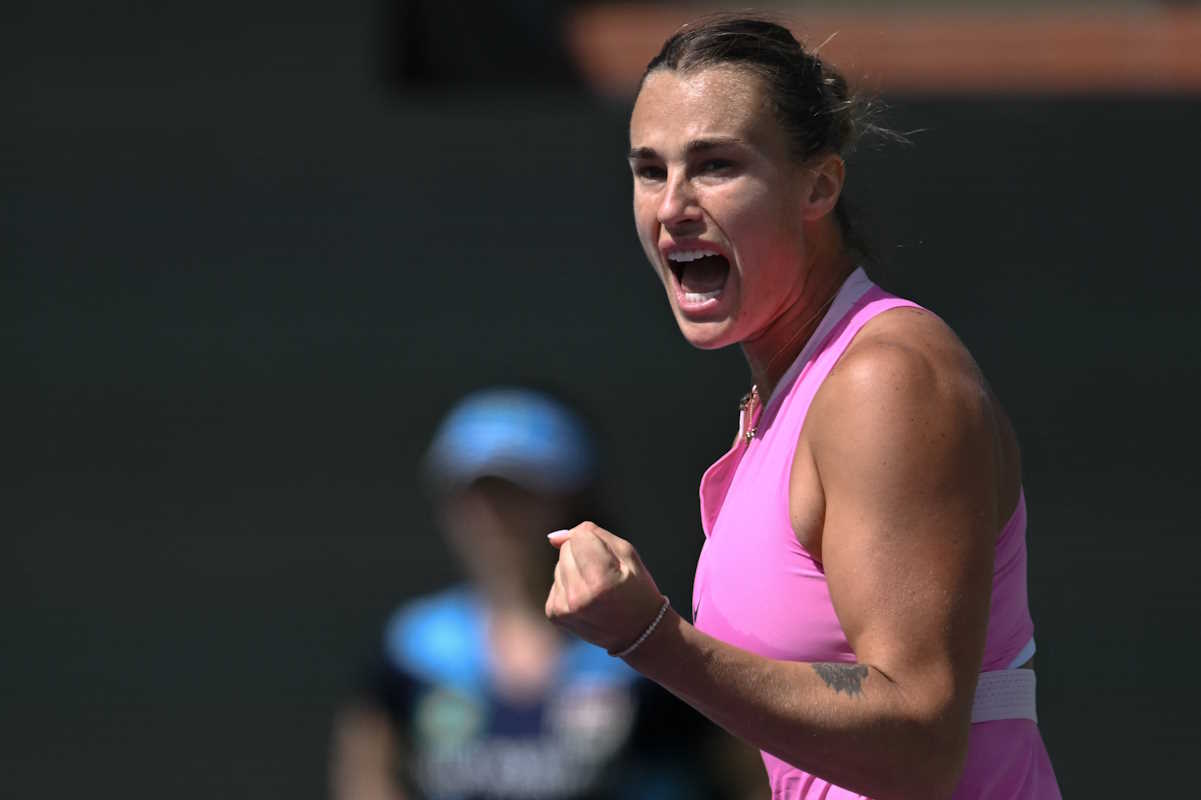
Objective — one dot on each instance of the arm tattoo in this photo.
(843, 677)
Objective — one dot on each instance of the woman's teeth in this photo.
(688, 255)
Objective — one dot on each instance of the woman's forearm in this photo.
(847, 723)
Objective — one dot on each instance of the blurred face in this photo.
(498, 530)
(719, 202)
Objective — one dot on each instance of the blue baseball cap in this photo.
(517, 434)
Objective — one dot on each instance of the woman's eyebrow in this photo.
(693, 147)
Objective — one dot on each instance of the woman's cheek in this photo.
(648, 237)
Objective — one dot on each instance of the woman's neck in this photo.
(523, 649)
(770, 355)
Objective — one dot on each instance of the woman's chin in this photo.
(707, 335)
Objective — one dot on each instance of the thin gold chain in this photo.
(748, 402)
(801, 330)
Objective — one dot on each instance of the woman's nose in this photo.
(678, 203)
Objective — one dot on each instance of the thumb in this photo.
(557, 538)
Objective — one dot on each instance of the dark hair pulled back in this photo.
(810, 98)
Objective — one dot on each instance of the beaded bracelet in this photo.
(658, 617)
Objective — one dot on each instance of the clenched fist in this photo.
(602, 591)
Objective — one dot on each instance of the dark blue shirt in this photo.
(598, 731)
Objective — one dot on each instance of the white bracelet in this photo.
(662, 610)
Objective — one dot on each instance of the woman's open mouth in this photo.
(700, 277)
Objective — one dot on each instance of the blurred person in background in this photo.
(473, 693)
(859, 608)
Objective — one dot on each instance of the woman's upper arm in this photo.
(903, 443)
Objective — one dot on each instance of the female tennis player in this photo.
(859, 610)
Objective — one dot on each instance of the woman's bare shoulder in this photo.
(909, 378)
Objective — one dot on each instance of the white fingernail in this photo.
(553, 534)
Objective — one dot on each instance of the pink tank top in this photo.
(758, 589)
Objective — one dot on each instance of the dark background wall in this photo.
(240, 281)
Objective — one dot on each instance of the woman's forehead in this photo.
(720, 100)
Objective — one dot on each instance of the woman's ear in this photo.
(828, 175)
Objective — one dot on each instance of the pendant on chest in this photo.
(748, 408)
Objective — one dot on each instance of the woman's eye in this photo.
(715, 165)
(650, 173)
